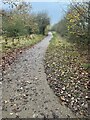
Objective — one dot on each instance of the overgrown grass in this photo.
(21, 43)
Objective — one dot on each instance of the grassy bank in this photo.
(66, 74)
(22, 42)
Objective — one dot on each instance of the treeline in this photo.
(19, 20)
(76, 23)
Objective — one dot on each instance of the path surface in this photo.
(26, 92)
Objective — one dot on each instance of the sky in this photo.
(56, 10)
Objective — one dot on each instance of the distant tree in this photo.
(18, 20)
(43, 21)
(76, 23)
(14, 20)
(61, 27)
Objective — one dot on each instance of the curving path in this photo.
(26, 92)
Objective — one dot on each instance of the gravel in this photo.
(25, 92)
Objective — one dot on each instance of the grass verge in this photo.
(21, 43)
(66, 74)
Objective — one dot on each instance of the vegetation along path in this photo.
(67, 74)
(26, 93)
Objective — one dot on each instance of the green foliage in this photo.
(43, 21)
(86, 66)
(13, 27)
(19, 21)
(76, 24)
(61, 27)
